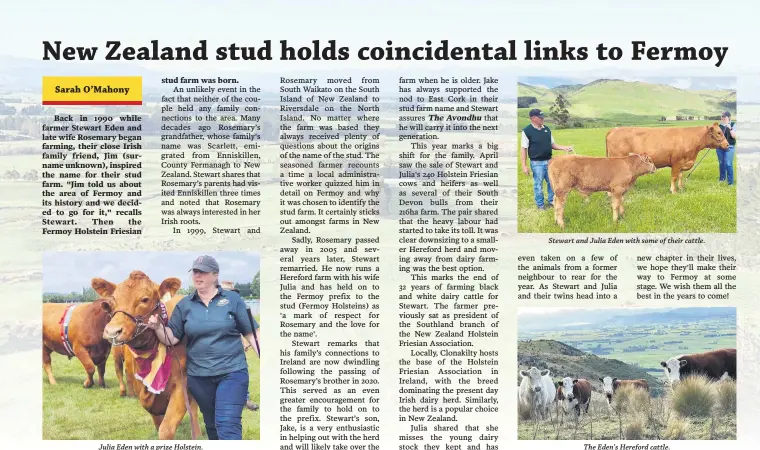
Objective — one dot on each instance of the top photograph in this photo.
(651, 155)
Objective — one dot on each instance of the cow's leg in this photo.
(675, 170)
(157, 421)
(616, 201)
(559, 208)
(84, 357)
(130, 380)
(102, 373)
(175, 412)
(46, 363)
(118, 363)
(194, 424)
(621, 208)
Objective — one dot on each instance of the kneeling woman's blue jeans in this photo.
(221, 400)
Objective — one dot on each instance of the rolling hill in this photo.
(566, 361)
(607, 98)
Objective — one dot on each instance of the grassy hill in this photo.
(629, 102)
(566, 361)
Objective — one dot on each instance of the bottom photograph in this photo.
(626, 373)
(125, 332)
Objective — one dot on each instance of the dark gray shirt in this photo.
(213, 332)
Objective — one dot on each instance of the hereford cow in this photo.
(577, 395)
(590, 174)
(76, 329)
(716, 365)
(537, 391)
(137, 298)
(610, 385)
(674, 147)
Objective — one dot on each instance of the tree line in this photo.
(249, 291)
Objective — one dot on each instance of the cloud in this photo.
(681, 83)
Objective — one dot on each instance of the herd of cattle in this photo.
(89, 331)
(538, 391)
(630, 153)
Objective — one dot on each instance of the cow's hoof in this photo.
(88, 384)
(122, 392)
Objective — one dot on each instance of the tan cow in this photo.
(82, 337)
(674, 147)
(132, 302)
(589, 174)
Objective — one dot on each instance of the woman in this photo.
(230, 286)
(217, 371)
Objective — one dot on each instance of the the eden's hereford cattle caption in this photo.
(676, 148)
(537, 391)
(610, 385)
(588, 174)
(139, 297)
(80, 334)
(715, 364)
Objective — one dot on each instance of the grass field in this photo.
(604, 98)
(704, 206)
(71, 412)
(661, 341)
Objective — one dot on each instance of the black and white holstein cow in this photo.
(716, 365)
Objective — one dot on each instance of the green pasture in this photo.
(704, 206)
(71, 412)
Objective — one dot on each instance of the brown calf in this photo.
(85, 336)
(589, 174)
(580, 397)
(674, 147)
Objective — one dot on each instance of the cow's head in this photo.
(608, 386)
(645, 164)
(535, 375)
(672, 369)
(567, 391)
(136, 297)
(716, 138)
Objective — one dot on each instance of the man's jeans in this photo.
(540, 173)
(221, 399)
(726, 164)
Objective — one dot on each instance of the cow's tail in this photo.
(607, 142)
(550, 172)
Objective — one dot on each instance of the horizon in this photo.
(65, 272)
(690, 84)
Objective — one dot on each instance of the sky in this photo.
(71, 271)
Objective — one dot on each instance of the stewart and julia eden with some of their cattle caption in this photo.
(538, 391)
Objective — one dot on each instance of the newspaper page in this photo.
(457, 226)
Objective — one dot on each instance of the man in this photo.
(230, 286)
(726, 157)
(537, 144)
